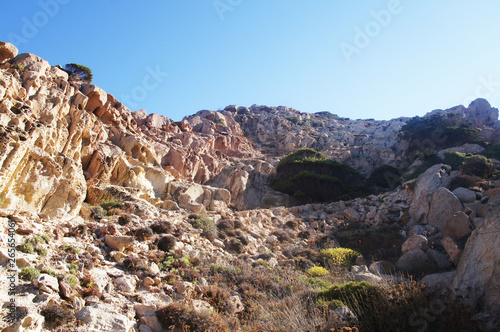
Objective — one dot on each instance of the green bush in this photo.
(84, 73)
(385, 177)
(477, 165)
(69, 248)
(454, 159)
(317, 271)
(310, 177)
(29, 273)
(442, 130)
(107, 205)
(492, 152)
(339, 256)
(207, 225)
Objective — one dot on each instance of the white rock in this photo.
(46, 282)
(126, 284)
(102, 317)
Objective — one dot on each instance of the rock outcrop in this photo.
(118, 214)
(478, 274)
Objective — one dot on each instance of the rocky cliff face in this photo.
(66, 147)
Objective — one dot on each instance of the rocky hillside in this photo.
(131, 221)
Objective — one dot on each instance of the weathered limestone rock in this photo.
(435, 177)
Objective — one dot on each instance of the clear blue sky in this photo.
(309, 55)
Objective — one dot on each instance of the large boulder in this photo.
(478, 274)
(443, 205)
(7, 51)
(415, 261)
(435, 177)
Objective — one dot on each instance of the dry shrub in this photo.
(162, 227)
(56, 316)
(217, 297)
(135, 264)
(167, 243)
(380, 308)
(143, 234)
(282, 235)
(89, 288)
(187, 319)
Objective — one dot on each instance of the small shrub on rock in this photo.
(282, 235)
(107, 205)
(56, 316)
(162, 227)
(29, 273)
(317, 271)
(492, 152)
(207, 225)
(187, 319)
(339, 256)
(135, 264)
(235, 245)
(143, 234)
(167, 243)
(454, 159)
(386, 177)
(217, 297)
(477, 165)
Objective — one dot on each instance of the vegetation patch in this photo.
(385, 177)
(344, 257)
(454, 159)
(207, 225)
(478, 166)
(438, 131)
(317, 271)
(309, 176)
(29, 273)
(76, 70)
(492, 152)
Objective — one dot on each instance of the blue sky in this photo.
(358, 59)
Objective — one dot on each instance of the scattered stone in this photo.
(118, 242)
(443, 204)
(415, 261)
(382, 267)
(414, 242)
(46, 283)
(126, 284)
(465, 195)
(438, 282)
(457, 226)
